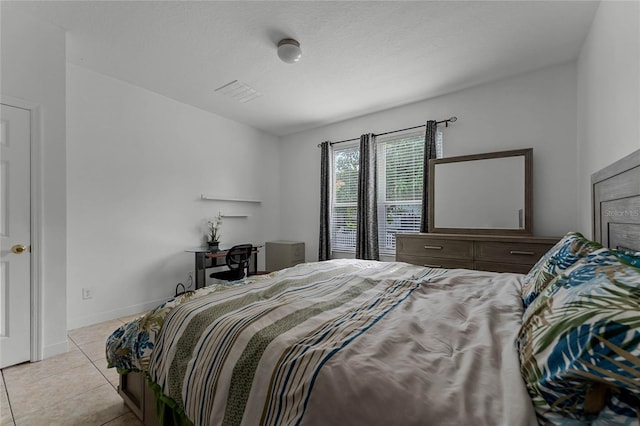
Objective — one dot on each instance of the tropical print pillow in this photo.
(632, 257)
(569, 250)
(129, 347)
(580, 344)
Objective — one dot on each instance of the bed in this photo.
(377, 343)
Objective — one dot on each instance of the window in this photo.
(400, 174)
(400, 162)
(345, 187)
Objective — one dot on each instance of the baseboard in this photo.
(55, 349)
(73, 323)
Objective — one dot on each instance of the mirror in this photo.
(481, 194)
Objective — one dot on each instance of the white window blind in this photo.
(400, 174)
(400, 165)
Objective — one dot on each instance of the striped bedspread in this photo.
(212, 348)
(351, 343)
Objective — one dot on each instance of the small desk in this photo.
(207, 258)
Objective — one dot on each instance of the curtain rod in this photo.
(446, 124)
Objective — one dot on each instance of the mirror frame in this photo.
(528, 193)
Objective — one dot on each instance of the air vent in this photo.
(239, 91)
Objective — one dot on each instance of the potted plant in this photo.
(214, 232)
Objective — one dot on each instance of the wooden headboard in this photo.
(616, 204)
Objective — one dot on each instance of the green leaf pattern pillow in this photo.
(631, 257)
(580, 344)
(569, 250)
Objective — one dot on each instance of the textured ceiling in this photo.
(358, 57)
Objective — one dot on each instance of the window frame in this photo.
(335, 204)
(383, 204)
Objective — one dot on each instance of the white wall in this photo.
(137, 164)
(608, 95)
(535, 110)
(33, 70)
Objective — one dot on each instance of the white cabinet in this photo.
(283, 254)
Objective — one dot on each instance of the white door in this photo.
(15, 236)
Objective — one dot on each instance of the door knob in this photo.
(19, 248)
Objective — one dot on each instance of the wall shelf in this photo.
(218, 198)
(233, 215)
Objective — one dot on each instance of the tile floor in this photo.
(74, 388)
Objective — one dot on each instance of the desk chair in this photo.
(238, 259)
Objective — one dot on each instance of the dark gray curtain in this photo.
(367, 229)
(326, 159)
(429, 153)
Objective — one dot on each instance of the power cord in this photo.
(184, 289)
(178, 292)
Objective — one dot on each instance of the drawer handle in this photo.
(433, 247)
(432, 266)
(525, 253)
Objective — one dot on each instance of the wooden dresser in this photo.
(496, 253)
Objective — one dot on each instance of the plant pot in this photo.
(213, 245)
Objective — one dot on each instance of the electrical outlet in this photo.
(87, 293)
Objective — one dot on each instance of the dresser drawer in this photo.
(451, 249)
(510, 252)
(502, 267)
(436, 262)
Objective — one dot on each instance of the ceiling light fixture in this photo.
(289, 50)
